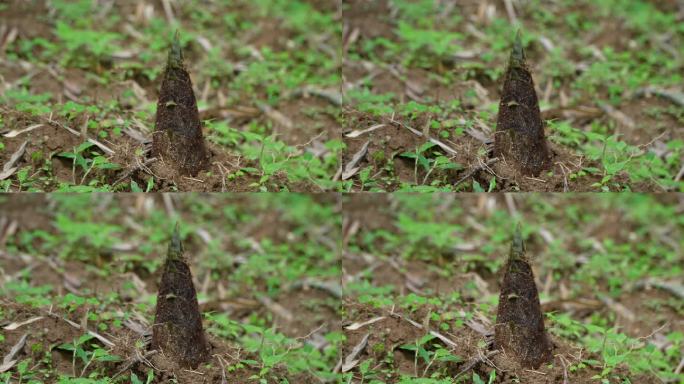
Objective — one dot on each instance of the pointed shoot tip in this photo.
(175, 246)
(517, 246)
(518, 53)
(176, 53)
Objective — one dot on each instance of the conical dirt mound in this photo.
(519, 138)
(519, 329)
(177, 138)
(177, 331)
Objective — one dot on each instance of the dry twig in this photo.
(473, 171)
(350, 361)
(138, 359)
(127, 174)
(480, 359)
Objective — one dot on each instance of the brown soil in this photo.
(51, 331)
(389, 334)
(46, 334)
(369, 211)
(52, 139)
(387, 143)
(370, 18)
(311, 309)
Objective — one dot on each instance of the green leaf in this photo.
(135, 379)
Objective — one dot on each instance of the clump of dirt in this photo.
(177, 329)
(519, 133)
(519, 329)
(177, 136)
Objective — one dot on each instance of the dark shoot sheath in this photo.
(519, 137)
(177, 139)
(177, 330)
(519, 329)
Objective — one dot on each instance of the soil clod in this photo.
(177, 137)
(519, 329)
(177, 329)
(519, 128)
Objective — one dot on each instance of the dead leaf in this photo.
(16, 325)
(17, 132)
(8, 169)
(351, 169)
(8, 362)
(359, 132)
(357, 325)
(350, 361)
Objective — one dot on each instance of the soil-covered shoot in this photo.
(423, 276)
(423, 79)
(80, 278)
(177, 330)
(79, 83)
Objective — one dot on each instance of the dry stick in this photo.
(168, 204)
(565, 176)
(476, 361)
(416, 132)
(511, 12)
(94, 334)
(680, 174)
(16, 325)
(671, 287)
(138, 359)
(168, 11)
(357, 325)
(223, 370)
(674, 97)
(565, 369)
(332, 97)
(479, 168)
(679, 367)
(357, 133)
(17, 132)
(133, 170)
(338, 174)
(436, 334)
(350, 169)
(350, 361)
(76, 133)
(8, 169)
(8, 361)
(334, 289)
(275, 308)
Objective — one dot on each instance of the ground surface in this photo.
(415, 262)
(266, 269)
(79, 82)
(608, 76)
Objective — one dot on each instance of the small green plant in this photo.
(81, 158)
(86, 353)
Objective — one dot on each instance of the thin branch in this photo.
(475, 170)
